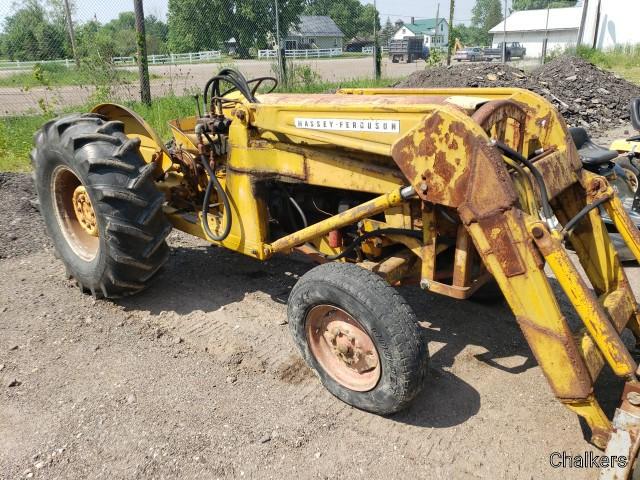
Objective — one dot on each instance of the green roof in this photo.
(423, 26)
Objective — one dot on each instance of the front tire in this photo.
(360, 336)
(100, 204)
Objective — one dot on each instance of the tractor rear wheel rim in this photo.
(343, 348)
(74, 213)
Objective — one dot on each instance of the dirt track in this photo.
(183, 79)
(198, 378)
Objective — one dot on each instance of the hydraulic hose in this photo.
(571, 224)
(233, 77)
(518, 157)
(375, 233)
(214, 183)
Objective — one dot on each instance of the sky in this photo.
(106, 10)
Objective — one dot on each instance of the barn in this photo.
(559, 26)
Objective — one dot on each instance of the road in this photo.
(181, 79)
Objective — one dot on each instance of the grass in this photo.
(59, 75)
(623, 60)
(16, 133)
(632, 74)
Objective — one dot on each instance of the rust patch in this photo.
(477, 180)
(556, 176)
(443, 168)
(499, 236)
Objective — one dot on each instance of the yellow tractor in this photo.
(454, 190)
(629, 149)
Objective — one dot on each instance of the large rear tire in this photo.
(100, 204)
(360, 336)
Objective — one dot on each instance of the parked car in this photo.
(472, 54)
(514, 50)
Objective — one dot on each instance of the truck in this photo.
(514, 50)
(408, 50)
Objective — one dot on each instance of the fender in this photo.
(151, 146)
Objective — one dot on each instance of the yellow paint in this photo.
(266, 144)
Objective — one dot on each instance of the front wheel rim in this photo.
(74, 213)
(343, 348)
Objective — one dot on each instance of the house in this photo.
(558, 26)
(611, 22)
(433, 37)
(314, 32)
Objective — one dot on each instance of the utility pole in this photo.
(143, 65)
(449, 39)
(377, 70)
(546, 35)
(583, 21)
(435, 40)
(504, 34)
(279, 50)
(72, 35)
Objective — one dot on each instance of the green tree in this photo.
(387, 32)
(29, 35)
(468, 36)
(485, 15)
(157, 35)
(351, 16)
(196, 25)
(538, 4)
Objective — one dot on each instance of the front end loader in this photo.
(457, 191)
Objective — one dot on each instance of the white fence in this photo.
(369, 50)
(193, 57)
(313, 53)
(18, 65)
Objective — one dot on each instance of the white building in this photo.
(615, 23)
(433, 37)
(530, 27)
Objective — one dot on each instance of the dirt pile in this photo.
(584, 94)
(466, 75)
(21, 227)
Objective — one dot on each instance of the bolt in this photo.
(537, 232)
(634, 398)
(424, 284)
(240, 114)
(423, 187)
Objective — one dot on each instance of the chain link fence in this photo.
(59, 54)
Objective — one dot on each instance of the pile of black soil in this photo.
(584, 94)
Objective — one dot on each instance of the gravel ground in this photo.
(197, 377)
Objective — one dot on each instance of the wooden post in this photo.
(72, 35)
(449, 46)
(143, 65)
